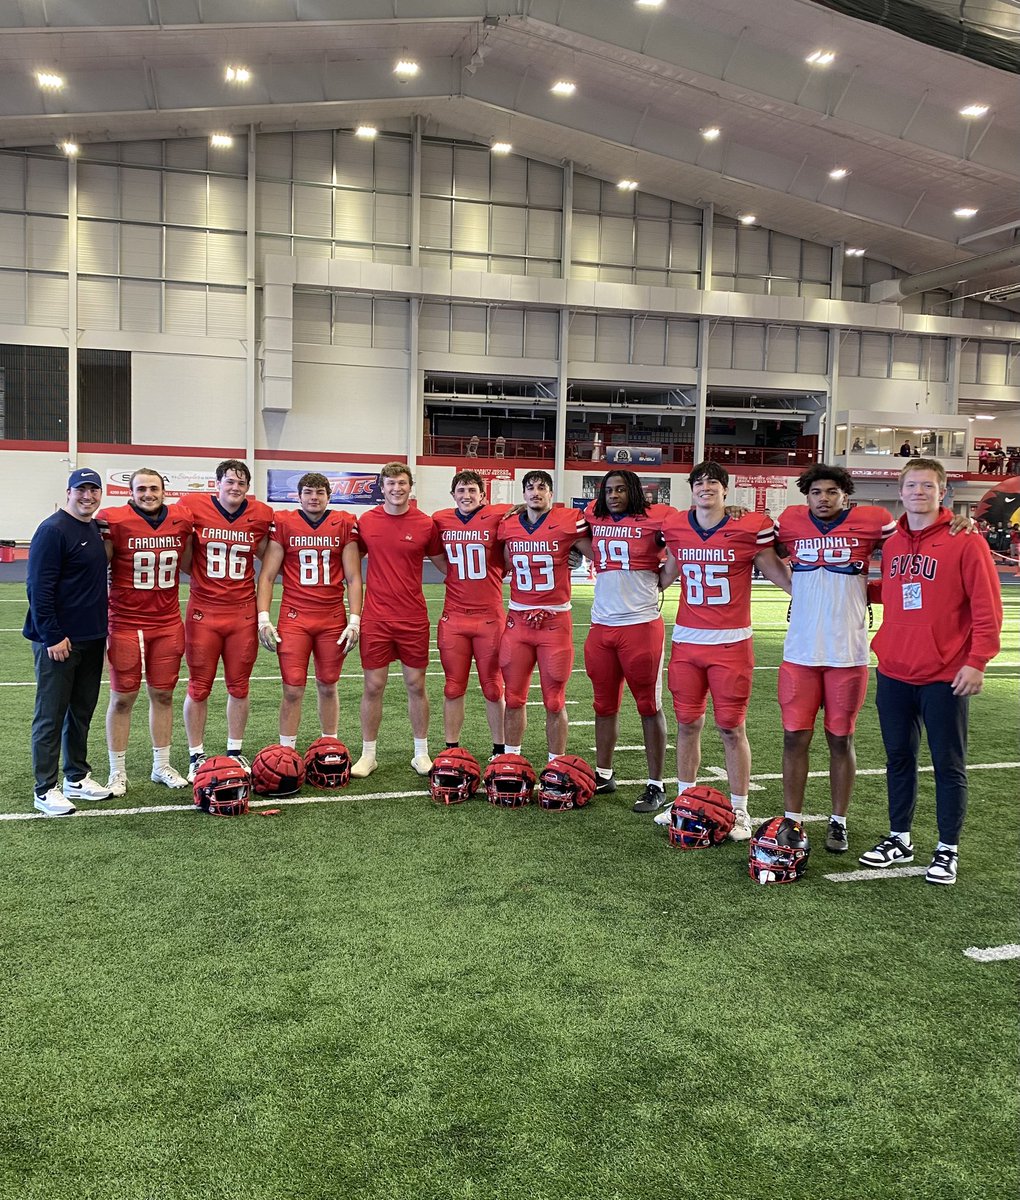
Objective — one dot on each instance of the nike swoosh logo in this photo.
(84, 543)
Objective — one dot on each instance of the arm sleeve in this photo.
(45, 557)
(985, 595)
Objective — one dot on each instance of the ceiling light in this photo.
(855, 251)
(501, 147)
(238, 75)
(366, 131)
(221, 140)
(627, 185)
(711, 133)
(406, 68)
(563, 87)
(49, 81)
(70, 148)
(964, 212)
(983, 417)
(747, 219)
(648, 3)
(839, 173)
(821, 58)
(974, 110)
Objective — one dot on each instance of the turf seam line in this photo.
(881, 873)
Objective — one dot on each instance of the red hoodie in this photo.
(943, 606)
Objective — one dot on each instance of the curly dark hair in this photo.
(820, 471)
(637, 505)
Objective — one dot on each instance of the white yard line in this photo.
(880, 873)
(993, 953)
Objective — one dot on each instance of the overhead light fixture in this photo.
(366, 131)
(406, 68)
(1001, 295)
(839, 173)
(983, 417)
(238, 75)
(711, 133)
(964, 212)
(70, 148)
(563, 87)
(974, 110)
(747, 219)
(221, 140)
(854, 251)
(501, 147)
(648, 3)
(628, 185)
(49, 81)
(821, 58)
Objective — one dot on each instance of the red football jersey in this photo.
(628, 543)
(313, 571)
(537, 554)
(844, 545)
(474, 578)
(396, 545)
(715, 572)
(145, 568)
(223, 563)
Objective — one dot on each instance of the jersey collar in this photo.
(828, 526)
(230, 517)
(704, 534)
(156, 520)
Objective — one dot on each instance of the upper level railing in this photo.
(680, 453)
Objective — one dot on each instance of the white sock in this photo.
(368, 749)
(657, 783)
(683, 786)
(513, 749)
(287, 739)
(904, 837)
(838, 820)
(118, 760)
(738, 801)
(947, 846)
(550, 756)
(794, 816)
(421, 747)
(604, 772)
(194, 751)
(234, 745)
(160, 757)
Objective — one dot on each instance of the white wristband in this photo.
(354, 620)
(264, 619)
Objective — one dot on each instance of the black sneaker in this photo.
(889, 852)
(604, 786)
(836, 839)
(650, 800)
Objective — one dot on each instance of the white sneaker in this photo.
(117, 784)
(663, 818)
(421, 764)
(364, 767)
(196, 762)
(741, 831)
(86, 788)
(53, 804)
(168, 777)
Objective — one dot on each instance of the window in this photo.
(33, 394)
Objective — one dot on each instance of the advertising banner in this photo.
(175, 483)
(349, 487)
(628, 456)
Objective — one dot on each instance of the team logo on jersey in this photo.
(196, 616)
(292, 614)
(510, 623)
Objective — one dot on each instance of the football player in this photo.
(825, 656)
(147, 547)
(713, 555)
(231, 531)
(473, 616)
(625, 642)
(395, 627)
(317, 550)
(536, 544)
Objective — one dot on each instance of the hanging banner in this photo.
(175, 483)
(629, 456)
(349, 487)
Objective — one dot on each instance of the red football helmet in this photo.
(566, 782)
(327, 763)
(509, 781)
(222, 787)
(700, 817)
(277, 771)
(454, 777)
(779, 851)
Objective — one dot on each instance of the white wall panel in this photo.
(436, 169)
(935, 359)
(748, 347)
(392, 218)
(544, 230)
(97, 190)
(850, 353)
(612, 339)
(46, 189)
(313, 156)
(13, 288)
(191, 154)
(46, 243)
(434, 327)
(785, 255)
(509, 230)
(184, 309)
(98, 304)
(992, 363)
(875, 355)
(816, 263)
(180, 399)
(98, 247)
(47, 300)
(185, 198)
(541, 334)
(781, 348)
(12, 238)
(906, 355)
(272, 207)
(650, 341)
(545, 185)
(186, 254)
(141, 304)
(720, 345)
(342, 409)
(352, 320)
(140, 194)
(273, 155)
(436, 223)
(812, 351)
(313, 210)
(506, 332)
(355, 162)
(225, 309)
(312, 318)
(581, 347)
(585, 238)
(685, 247)
(682, 343)
(228, 200)
(509, 179)
(391, 324)
(392, 164)
(12, 181)
(467, 329)
(141, 250)
(470, 173)
(470, 226)
(652, 243)
(353, 216)
(617, 241)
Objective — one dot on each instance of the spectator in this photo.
(905, 450)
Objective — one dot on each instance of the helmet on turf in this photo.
(566, 782)
(277, 771)
(327, 763)
(700, 817)
(779, 851)
(509, 781)
(222, 786)
(454, 777)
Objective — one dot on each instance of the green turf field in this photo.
(371, 997)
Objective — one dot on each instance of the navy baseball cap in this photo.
(84, 477)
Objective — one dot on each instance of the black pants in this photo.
(901, 709)
(65, 699)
